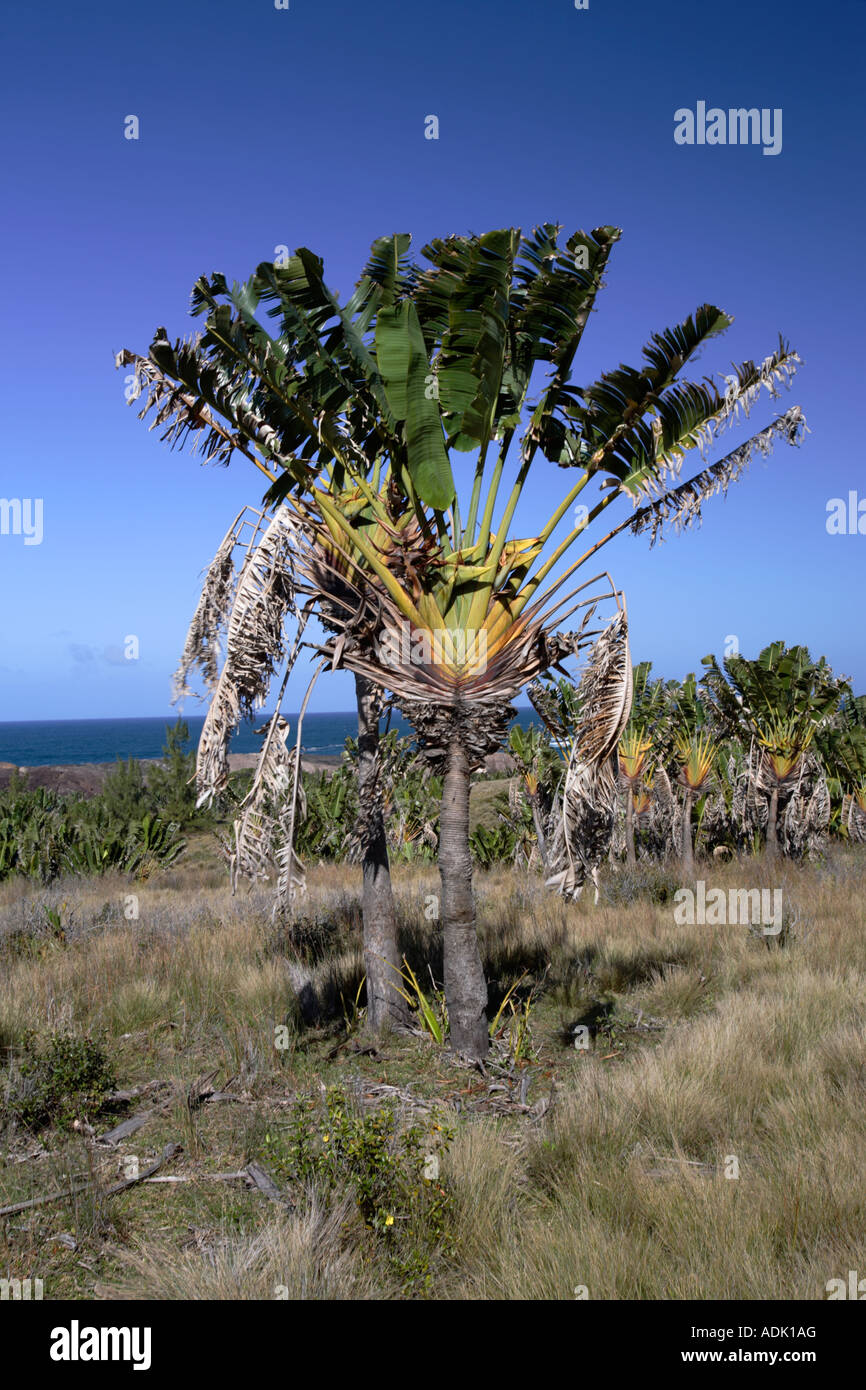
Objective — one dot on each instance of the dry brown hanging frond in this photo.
(261, 828)
(807, 814)
(255, 646)
(854, 817)
(590, 789)
(664, 819)
(202, 640)
(750, 807)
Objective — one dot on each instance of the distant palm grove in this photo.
(763, 755)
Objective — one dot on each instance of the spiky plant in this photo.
(695, 754)
(634, 750)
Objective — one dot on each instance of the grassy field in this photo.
(707, 1142)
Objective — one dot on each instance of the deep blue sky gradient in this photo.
(306, 127)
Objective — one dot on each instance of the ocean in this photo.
(41, 743)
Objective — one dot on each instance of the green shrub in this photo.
(337, 1150)
(171, 783)
(124, 796)
(632, 882)
(491, 847)
(67, 1079)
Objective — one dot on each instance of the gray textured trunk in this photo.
(538, 822)
(631, 857)
(385, 1008)
(772, 825)
(687, 849)
(465, 985)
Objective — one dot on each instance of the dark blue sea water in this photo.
(36, 743)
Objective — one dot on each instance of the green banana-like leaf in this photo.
(343, 367)
(638, 431)
(560, 287)
(781, 684)
(405, 371)
(387, 272)
(464, 303)
(607, 418)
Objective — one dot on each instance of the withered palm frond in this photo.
(749, 806)
(263, 829)
(854, 815)
(663, 827)
(589, 793)
(201, 647)
(255, 646)
(807, 814)
(550, 711)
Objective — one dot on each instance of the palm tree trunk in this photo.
(538, 823)
(465, 985)
(631, 858)
(385, 1007)
(772, 829)
(687, 849)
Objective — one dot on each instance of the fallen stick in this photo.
(202, 1177)
(127, 1127)
(265, 1183)
(135, 1093)
(168, 1153)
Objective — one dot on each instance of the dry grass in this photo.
(718, 1045)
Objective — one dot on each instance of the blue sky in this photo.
(261, 127)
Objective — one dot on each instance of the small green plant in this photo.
(514, 1028)
(432, 1013)
(54, 923)
(153, 844)
(125, 796)
(42, 929)
(497, 1018)
(392, 1174)
(67, 1079)
(171, 782)
(494, 846)
(353, 1013)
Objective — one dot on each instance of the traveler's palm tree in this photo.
(842, 745)
(357, 412)
(783, 699)
(634, 771)
(695, 753)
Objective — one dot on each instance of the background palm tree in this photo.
(782, 698)
(695, 753)
(634, 769)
